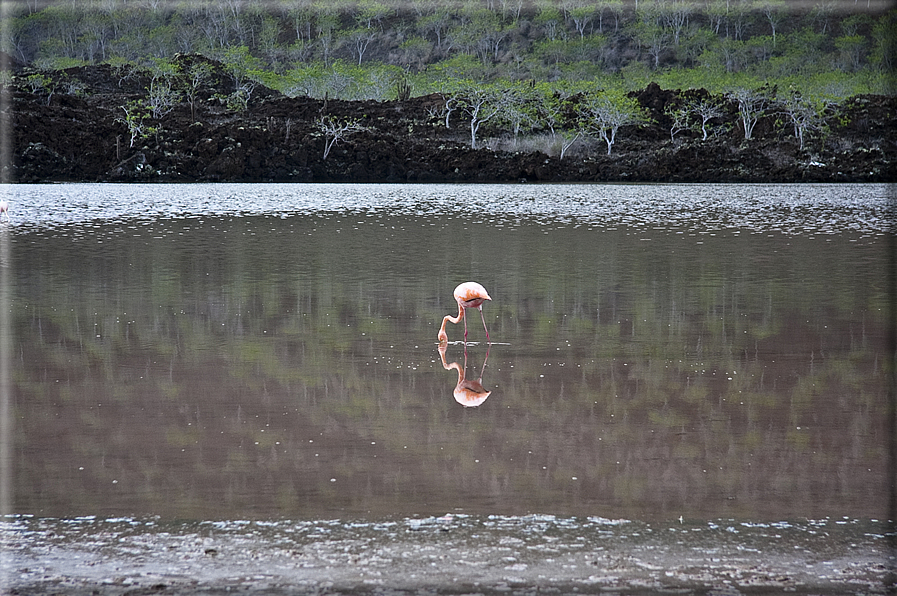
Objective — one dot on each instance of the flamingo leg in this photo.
(465, 327)
(483, 318)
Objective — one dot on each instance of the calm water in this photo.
(269, 351)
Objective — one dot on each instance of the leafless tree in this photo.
(197, 76)
(336, 129)
(681, 117)
(605, 113)
(481, 103)
(707, 110)
(161, 95)
(752, 105)
(568, 138)
(361, 38)
(805, 115)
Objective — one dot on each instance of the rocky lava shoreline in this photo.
(82, 137)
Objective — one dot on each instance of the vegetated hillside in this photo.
(124, 124)
(490, 90)
(359, 49)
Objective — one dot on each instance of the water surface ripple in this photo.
(787, 208)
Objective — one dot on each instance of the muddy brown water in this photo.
(217, 387)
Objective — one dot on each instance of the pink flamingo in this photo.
(4, 209)
(470, 294)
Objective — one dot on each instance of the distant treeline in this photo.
(822, 47)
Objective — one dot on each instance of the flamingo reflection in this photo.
(470, 393)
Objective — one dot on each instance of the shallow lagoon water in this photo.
(267, 353)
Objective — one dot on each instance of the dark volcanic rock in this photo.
(83, 137)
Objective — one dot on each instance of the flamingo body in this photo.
(470, 294)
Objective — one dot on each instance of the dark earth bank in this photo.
(73, 129)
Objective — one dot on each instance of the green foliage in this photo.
(241, 65)
(162, 95)
(551, 105)
(308, 46)
(38, 83)
(44, 84)
(852, 49)
(558, 54)
(520, 111)
(58, 63)
(603, 114)
(137, 119)
(192, 79)
(550, 21)
(653, 38)
(341, 80)
(884, 42)
(238, 101)
(457, 68)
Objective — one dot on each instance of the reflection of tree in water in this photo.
(470, 393)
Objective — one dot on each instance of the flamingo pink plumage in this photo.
(470, 294)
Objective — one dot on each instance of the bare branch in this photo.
(336, 129)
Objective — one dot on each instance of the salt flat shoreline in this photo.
(451, 554)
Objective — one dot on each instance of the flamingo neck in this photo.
(454, 320)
